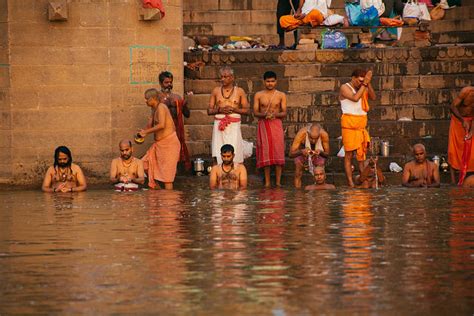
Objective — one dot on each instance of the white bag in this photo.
(412, 10)
(333, 19)
(378, 4)
(425, 14)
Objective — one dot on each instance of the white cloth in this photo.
(378, 4)
(351, 107)
(333, 19)
(320, 5)
(231, 135)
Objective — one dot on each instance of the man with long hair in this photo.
(64, 176)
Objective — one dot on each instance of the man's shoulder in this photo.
(324, 133)
(138, 161)
(240, 166)
(240, 90)
(409, 164)
(115, 160)
(75, 167)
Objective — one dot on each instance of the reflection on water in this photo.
(273, 252)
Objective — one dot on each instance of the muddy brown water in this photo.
(258, 252)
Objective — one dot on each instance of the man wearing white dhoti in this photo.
(227, 104)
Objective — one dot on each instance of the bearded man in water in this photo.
(228, 175)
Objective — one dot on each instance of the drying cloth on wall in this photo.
(155, 4)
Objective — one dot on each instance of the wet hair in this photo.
(419, 146)
(164, 75)
(227, 148)
(320, 168)
(225, 69)
(152, 93)
(269, 75)
(64, 150)
(359, 73)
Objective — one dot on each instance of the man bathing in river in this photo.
(310, 148)
(162, 157)
(270, 108)
(126, 171)
(420, 172)
(227, 104)
(460, 132)
(228, 175)
(320, 180)
(64, 176)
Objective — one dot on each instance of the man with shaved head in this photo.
(310, 148)
(420, 172)
(126, 171)
(320, 180)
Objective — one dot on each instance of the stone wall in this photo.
(79, 82)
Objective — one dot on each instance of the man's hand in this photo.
(368, 77)
(142, 133)
(306, 152)
(298, 14)
(124, 179)
(226, 110)
(270, 116)
(64, 189)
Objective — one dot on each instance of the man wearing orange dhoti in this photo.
(162, 157)
(460, 153)
(312, 12)
(270, 108)
(354, 97)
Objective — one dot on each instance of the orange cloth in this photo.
(354, 134)
(365, 101)
(161, 159)
(456, 145)
(289, 22)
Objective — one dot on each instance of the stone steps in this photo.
(454, 37)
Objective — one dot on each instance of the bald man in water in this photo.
(420, 172)
(127, 169)
(320, 180)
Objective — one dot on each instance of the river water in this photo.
(257, 252)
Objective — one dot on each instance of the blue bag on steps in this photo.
(332, 39)
(360, 17)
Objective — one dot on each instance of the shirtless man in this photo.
(162, 157)
(228, 175)
(468, 182)
(179, 110)
(228, 102)
(460, 132)
(270, 108)
(320, 180)
(367, 178)
(126, 172)
(420, 172)
(64, 176)
(310, 142)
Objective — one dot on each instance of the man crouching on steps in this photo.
(162, 157)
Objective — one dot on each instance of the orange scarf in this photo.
(365, 101)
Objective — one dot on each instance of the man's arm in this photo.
(455, 107)
(256, 106)
(244, 103)
(185, 109)
(282, 113)
(213, 178)
(243, 177)
(406, 176)
(372, 95)
(213, 108)
(46, 186)
(347, 93)
(295, 150)
(380, 175)
(140, 179)
(81, 181)
(435, 177)
(113, 172)
(159, 113)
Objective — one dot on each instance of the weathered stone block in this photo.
(57, 10)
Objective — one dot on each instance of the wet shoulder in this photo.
(75, 168)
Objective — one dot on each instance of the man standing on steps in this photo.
(270, 108)
(354, 97)
(178, 109)
(284, 7)
(227, 104)
(460, 132)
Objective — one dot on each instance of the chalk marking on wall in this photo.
(146, 62)
(4, 65)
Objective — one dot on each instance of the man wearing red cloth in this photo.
(270, 108)
(179, 110)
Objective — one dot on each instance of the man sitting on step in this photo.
(313, 12)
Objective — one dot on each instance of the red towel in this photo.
(154, 4)
(270, 143)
